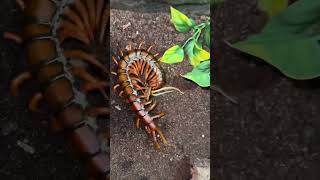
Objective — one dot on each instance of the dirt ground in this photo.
(274, 133)
(186, 124)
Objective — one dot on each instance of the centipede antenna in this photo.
(167, 88)
(162, 93)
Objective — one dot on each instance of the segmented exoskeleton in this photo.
(58, 37)
(141, 77)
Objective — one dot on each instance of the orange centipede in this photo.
(140, 78)
(59, 39)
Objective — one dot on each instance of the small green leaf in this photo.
(195, 53)
(194, 24)
(207, 34)
(199, 55)
(273, 7)
(173, 55)
(180, 21)
(200, 74)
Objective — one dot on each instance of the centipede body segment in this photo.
(59, 38)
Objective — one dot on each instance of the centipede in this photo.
(60, 39)
(141, 79)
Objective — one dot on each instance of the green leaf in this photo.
(180, 21)
(200, 74)
(273, 7)
(207, 34)
(173, 55)
(288, 41)
(194, 24)
(195, 53)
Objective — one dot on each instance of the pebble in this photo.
(9, 128)
(118, 107)
(126, 26)
(27, 148)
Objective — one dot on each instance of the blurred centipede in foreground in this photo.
(61, 38)
(141, 78)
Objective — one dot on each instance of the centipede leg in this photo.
(152, 106)
(114, 60)
(86, 57)
(140, 45)
(147, 102)
(155, 139)
(149, 48)
(162, 137)
(21, 4)
(55, 125)
(96, 111)
(83, 74)
(114, 73)
(34, 102)
(138, 122)
(12, 36)
(129, 47)
(161, 114)
(120, 93)
(95, 86)
(14, 87)
(116, 87)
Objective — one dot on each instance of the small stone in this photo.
(9, 128)
(27, 148)
(202, 136)
(126, 26)
(118, 107)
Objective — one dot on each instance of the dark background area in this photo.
(274, 132)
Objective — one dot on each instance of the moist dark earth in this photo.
(46, 155)
(274, 132)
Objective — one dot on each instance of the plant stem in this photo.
(196, 35)
(187, 42)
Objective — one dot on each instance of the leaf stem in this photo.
(187, 42)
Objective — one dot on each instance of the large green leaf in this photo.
(180, 21)
(200, 74)
(273, 7)
(289, 41)
(173, 55)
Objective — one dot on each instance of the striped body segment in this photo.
(50, 24)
